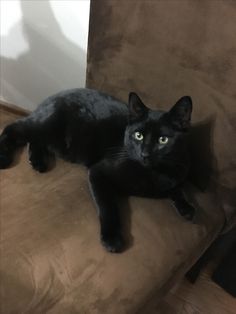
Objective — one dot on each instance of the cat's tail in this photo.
(13, 137)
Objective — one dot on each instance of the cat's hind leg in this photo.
(39, 157)
(12, 138)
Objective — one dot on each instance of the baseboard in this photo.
(13, 108)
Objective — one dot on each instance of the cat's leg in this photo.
(12, 138)
(104, 195)
(39, 157)
(183, 207)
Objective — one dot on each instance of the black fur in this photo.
(94, 129)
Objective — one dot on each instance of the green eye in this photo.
(163, 140)
(138, 136)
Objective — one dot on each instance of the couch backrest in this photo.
(164, 50)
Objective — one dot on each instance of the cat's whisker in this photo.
(117, 153)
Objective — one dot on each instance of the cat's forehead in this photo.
(155, 115)
(155, 123)
(156, 119)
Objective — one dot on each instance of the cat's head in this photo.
(155, 136)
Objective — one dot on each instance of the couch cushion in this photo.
(51, 257)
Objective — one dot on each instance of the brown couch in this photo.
(51, 258)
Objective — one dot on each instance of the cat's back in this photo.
(83, 102)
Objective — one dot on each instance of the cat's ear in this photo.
(137, 109)
(180, 113)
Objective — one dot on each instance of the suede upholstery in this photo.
(51, 257)
(164, 50)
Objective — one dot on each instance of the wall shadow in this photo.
(51, 64)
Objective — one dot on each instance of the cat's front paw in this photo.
(113, 243)
(39, 166)
(187, 211)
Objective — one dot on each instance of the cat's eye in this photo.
(138, 136)
(163, 140)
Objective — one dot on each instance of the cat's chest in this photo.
(135, 179)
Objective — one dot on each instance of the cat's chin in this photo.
(146, 164)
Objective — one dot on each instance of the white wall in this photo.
(43, 48)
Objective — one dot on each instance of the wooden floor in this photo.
(204, 297)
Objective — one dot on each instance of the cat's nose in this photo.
(145, 155)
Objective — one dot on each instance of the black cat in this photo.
(129, 150)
